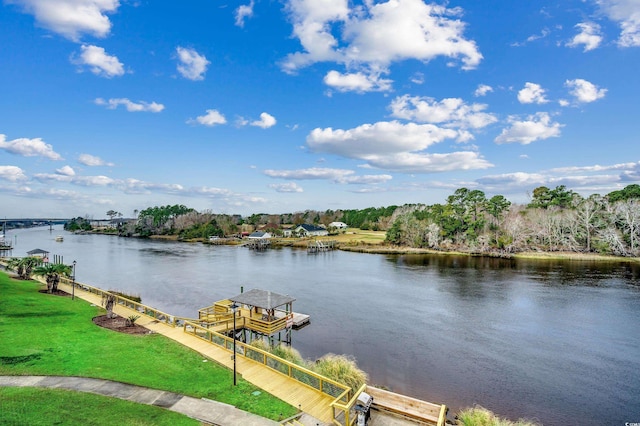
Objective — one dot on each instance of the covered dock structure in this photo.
(255, 314)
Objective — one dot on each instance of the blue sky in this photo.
(274, 107)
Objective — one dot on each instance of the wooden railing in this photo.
(307, 377)
(145, 310)
(342, 411)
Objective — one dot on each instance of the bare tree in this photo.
(628, 215)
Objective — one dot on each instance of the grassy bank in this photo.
(43, 334)
(43, 407)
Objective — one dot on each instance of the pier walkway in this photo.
(291, 391)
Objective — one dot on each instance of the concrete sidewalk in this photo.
(204, 410)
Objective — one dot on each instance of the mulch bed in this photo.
(119, 324)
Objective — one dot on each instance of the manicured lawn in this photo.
(42, 334)
(44, 407)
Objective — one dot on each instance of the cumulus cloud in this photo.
(532, 93)
(589, 36)
(266, 120)
(66, 171)
(98, 61)
(357, 82)
(90, 160)
(286, 187)
(242, 12)
(131, 106)
(395, 146)
(374, 35)
(535, 127)
(191, 64)
(585, 91)
(409, 162)
(482, 90)
(210, 119)
(450, 112)
(627, 14)
(71, 18)
(12, 173)
(29, 148)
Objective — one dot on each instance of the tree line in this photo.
(555, 219)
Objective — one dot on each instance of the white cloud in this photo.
(627, 14)
(532, 93)
(66, 171)
(98, 61)
(536, 127)
(90, 160)
(131, 106)
(29, 148)
(417, 78)
(211, 118)
(12, 173)
(482, 90)
(408, 162)
(286, 187)
(374, 35)
(71, 18)
(192, 65)
(585, 91)
(395, 146)
(334, 175)
(450, 112)
(357, 82)
(310, 173)
(266, 120)
(377, 139)
(242, 12)
(589, 36)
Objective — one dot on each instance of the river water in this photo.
(553, 341)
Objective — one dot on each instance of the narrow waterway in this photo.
(555, 341)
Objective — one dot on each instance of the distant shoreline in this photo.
(399, 250)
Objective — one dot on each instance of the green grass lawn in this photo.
(44, 407)
(42, 334)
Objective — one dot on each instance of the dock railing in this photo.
(342, 411)
(341, 393)
(148, 311)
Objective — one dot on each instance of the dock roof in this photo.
(262, 299)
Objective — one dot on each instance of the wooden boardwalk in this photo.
(289, 390)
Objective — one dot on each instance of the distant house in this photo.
(259, 235)
(306, 230)
(338, 225)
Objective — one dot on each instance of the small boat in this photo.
(59, 238)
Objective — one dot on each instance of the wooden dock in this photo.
(318, 402)
(319, 246)
(289, 390)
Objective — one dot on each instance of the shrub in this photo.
(478, 416)
(341, 368)
(131, 319)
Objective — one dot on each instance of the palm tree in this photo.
(52, 272)
(24, 265)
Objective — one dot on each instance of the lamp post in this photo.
(73, 283)
(234, 307)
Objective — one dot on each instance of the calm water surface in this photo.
(554, 341)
